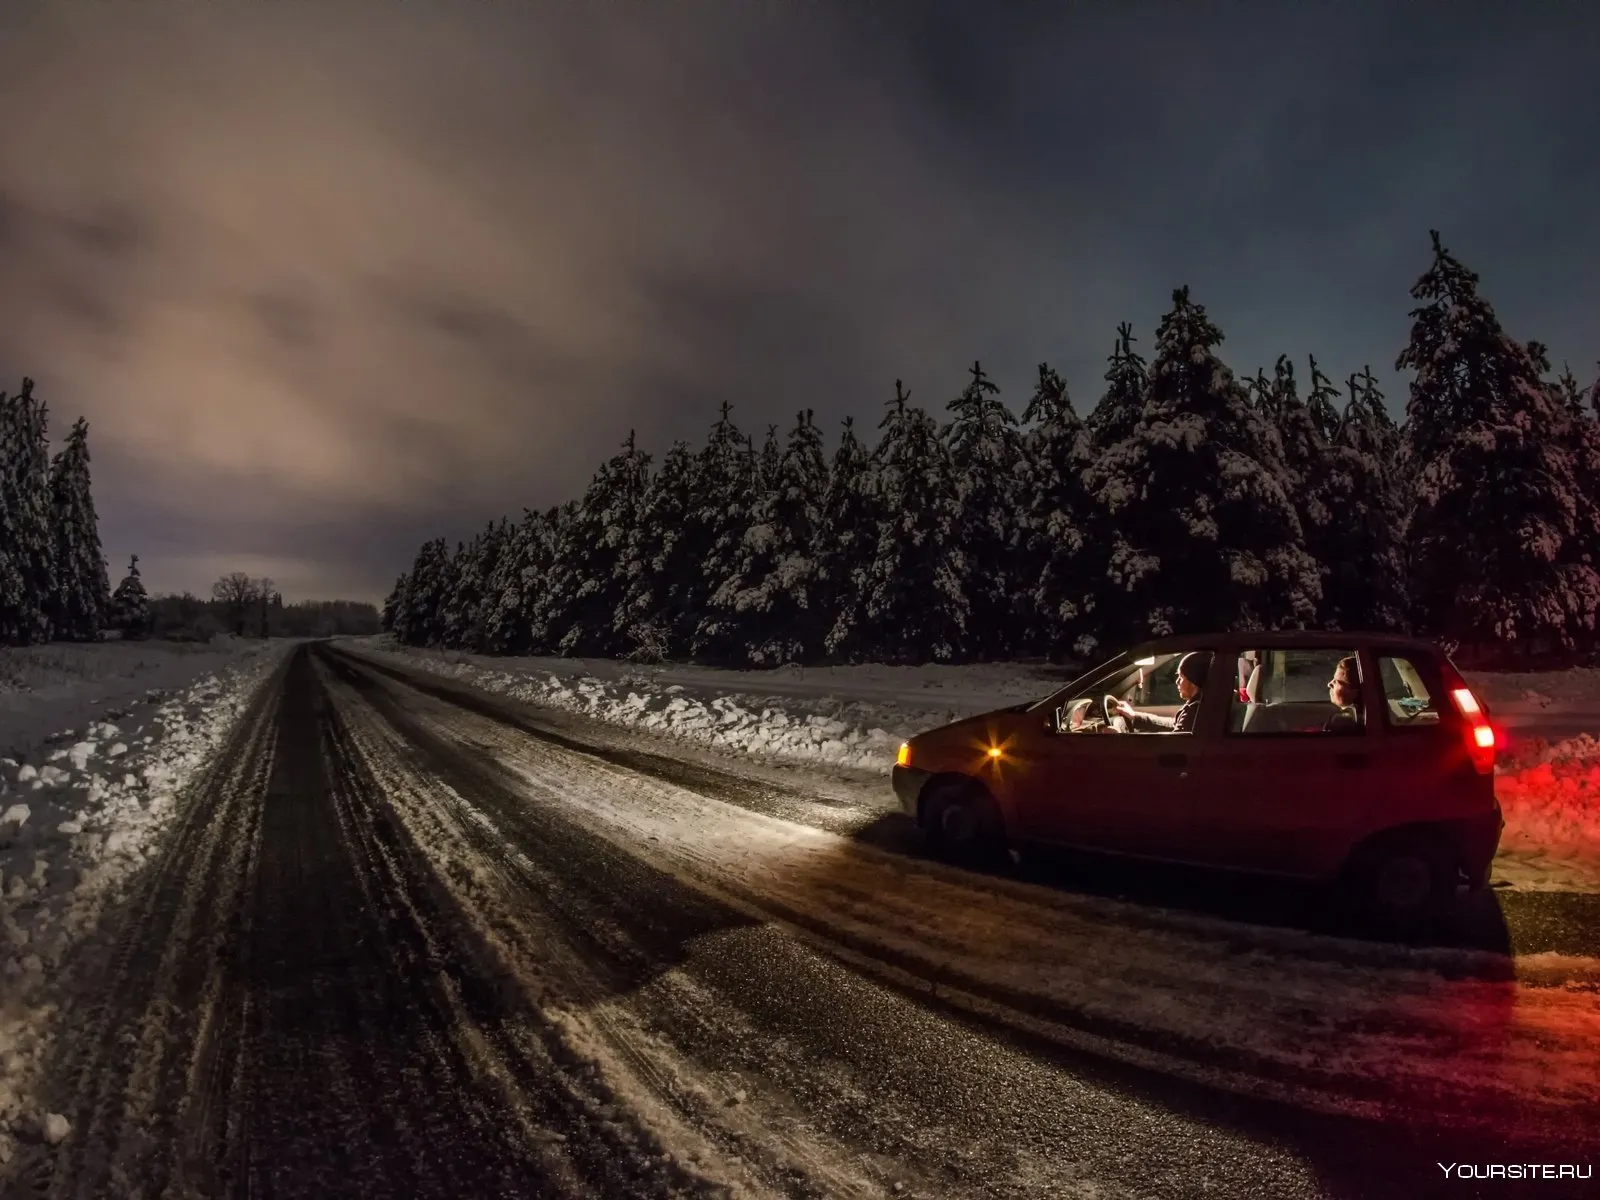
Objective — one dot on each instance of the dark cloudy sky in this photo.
(330, 278)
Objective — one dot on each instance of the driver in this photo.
(1192, 669)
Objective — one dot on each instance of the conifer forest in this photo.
(1187, 498)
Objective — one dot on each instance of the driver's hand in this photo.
(1124, 709)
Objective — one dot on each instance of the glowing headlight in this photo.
(903, 758)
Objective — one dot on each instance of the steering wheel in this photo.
(1108, 705)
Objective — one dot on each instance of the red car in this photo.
(1362, 760)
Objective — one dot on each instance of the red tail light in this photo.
(1480, 734)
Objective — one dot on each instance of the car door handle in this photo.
(1172, 760)
(1351, 761)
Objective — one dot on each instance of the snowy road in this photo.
(411, 940)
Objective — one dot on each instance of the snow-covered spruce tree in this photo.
(725, 500)
(1127, 377)
(1203, 532)
(1495, 551)
(592, 581)
(506, 613)
(130, 604)
(985, 451)
(28, 581)
(1055, 596)
(847, 543)
(1323, 400)
(1364, 577)
(767, 465)
(465, 618)
(1303, 434)
(658, 564)
(775, 593)
(83, 593)
(393, 603)
(915, 605)
(420, 621)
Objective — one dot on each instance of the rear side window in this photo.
(1299, 691)
(1407, 702)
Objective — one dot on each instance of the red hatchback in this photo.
(1358, 759)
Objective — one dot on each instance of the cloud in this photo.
(332, 278)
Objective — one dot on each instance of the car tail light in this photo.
(903, 758)
(1480, 734)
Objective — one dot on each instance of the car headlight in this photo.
(903, 758)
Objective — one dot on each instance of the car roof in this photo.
(1284, 639)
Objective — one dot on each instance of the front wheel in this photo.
(1403, 883)
(963, 825)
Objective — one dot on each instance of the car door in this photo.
(1277, 791)
(1124, 793)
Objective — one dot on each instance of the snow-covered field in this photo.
(855, 717)
(95, 742)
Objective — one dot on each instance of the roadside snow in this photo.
(80, 815)
(856, 717)
(44, 689)
(840, 716)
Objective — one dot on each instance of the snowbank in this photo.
(81, 814)
(839, 716)
(44, 689)
(856, 717)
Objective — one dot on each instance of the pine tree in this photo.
(130, 604)
(1127, 380)
(985, 455)
(83, 593)
(1303, 433)
(420, 622)
(593, 583)
(776, 593)
(1365, 579)
(847, 545)
(28, 578)
(1321, 401)
(394, 603)
(1055, 599)
(915, 604)
(1495, 549)
(659, 563)
(506, 619)
(725, 497)
(1203, 533)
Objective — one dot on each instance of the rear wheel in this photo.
(1402, 883)
(963, 825)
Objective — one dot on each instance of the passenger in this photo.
(1192, 670)
(1344, 690)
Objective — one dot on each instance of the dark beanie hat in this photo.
(1194, 668)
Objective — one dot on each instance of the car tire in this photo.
(962, 825)
(1401, 884)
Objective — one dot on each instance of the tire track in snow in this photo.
(312, 1016)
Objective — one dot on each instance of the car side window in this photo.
(1311, 690)
(1407, 703)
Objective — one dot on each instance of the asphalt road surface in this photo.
(407, 940)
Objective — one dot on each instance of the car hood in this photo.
(999, 720)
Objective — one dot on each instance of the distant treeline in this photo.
(53, 581)
(187, 617)
(1189, 500)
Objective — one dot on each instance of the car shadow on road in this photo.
(1477, 923)
(1376, 1015)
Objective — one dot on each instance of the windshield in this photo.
(1151, 680)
